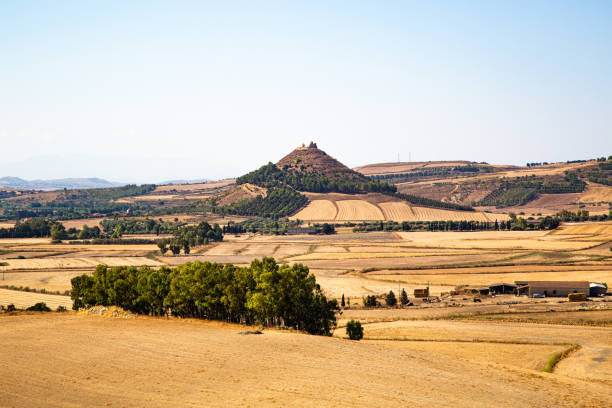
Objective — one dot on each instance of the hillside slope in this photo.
(535, 189)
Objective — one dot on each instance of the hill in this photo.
(57, 184)
(538, 188)
(314, 161)
(310, 170)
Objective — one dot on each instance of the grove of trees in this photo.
(263, 293)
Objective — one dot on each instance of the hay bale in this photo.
(577, 297)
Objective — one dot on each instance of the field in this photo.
(377, 207)
(463, 353)
(354, 264)
(212, 365)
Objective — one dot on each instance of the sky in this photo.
(144, 91)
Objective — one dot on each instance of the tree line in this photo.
(190, 236)
(513, 224)
(263, 293)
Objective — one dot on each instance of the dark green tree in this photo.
(390, 299)
(404, 297)
(354, 330)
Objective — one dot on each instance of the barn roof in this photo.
(559, 284)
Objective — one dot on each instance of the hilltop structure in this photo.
(312, 160)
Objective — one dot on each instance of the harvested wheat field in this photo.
(591, 362)
(373, 207)
(62, 263)
(349, 210)
(48, 279)
(23, 300)
(157, 362)
(317, 210)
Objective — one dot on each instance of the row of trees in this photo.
(190, 236)
(34, 228)
(264, 293)
(141, 226)
(428, 202)
(514, 223)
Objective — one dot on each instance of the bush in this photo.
(39, 307)
(354, 330)
(61, 309)
(11, 308)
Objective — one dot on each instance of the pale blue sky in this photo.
(211, 90)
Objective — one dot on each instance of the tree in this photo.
(162, 244)
(370, 301)
(354, 330)
(328, 229)
(175, 247)
(186, 248)
(342, 303)
(39, 307)
(404, 297)
(391, 300)
(58, 232)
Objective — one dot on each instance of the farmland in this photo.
(356, 264)
(128, 363)
(456, 346)
(444, 182)
(376, 207)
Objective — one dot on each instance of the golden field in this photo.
(157, 362)
(368, 209)
(462, 353)
(356, 264)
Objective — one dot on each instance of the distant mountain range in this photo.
(74, 183)
(57, 184)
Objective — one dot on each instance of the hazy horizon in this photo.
(147, 91)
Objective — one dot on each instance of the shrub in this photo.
(11, 308)
(39, 307)
(354, 330)
(61, 309)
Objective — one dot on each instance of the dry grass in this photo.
(22, 300)
(63, 263)
(211, 365)
(527, 356)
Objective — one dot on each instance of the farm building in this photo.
(502, 288)
(597, 289)
(554, 288)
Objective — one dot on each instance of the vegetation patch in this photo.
(264, 292)
(557, 357)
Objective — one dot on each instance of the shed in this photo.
(502, 288)
(597, 289)
(558, 288)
